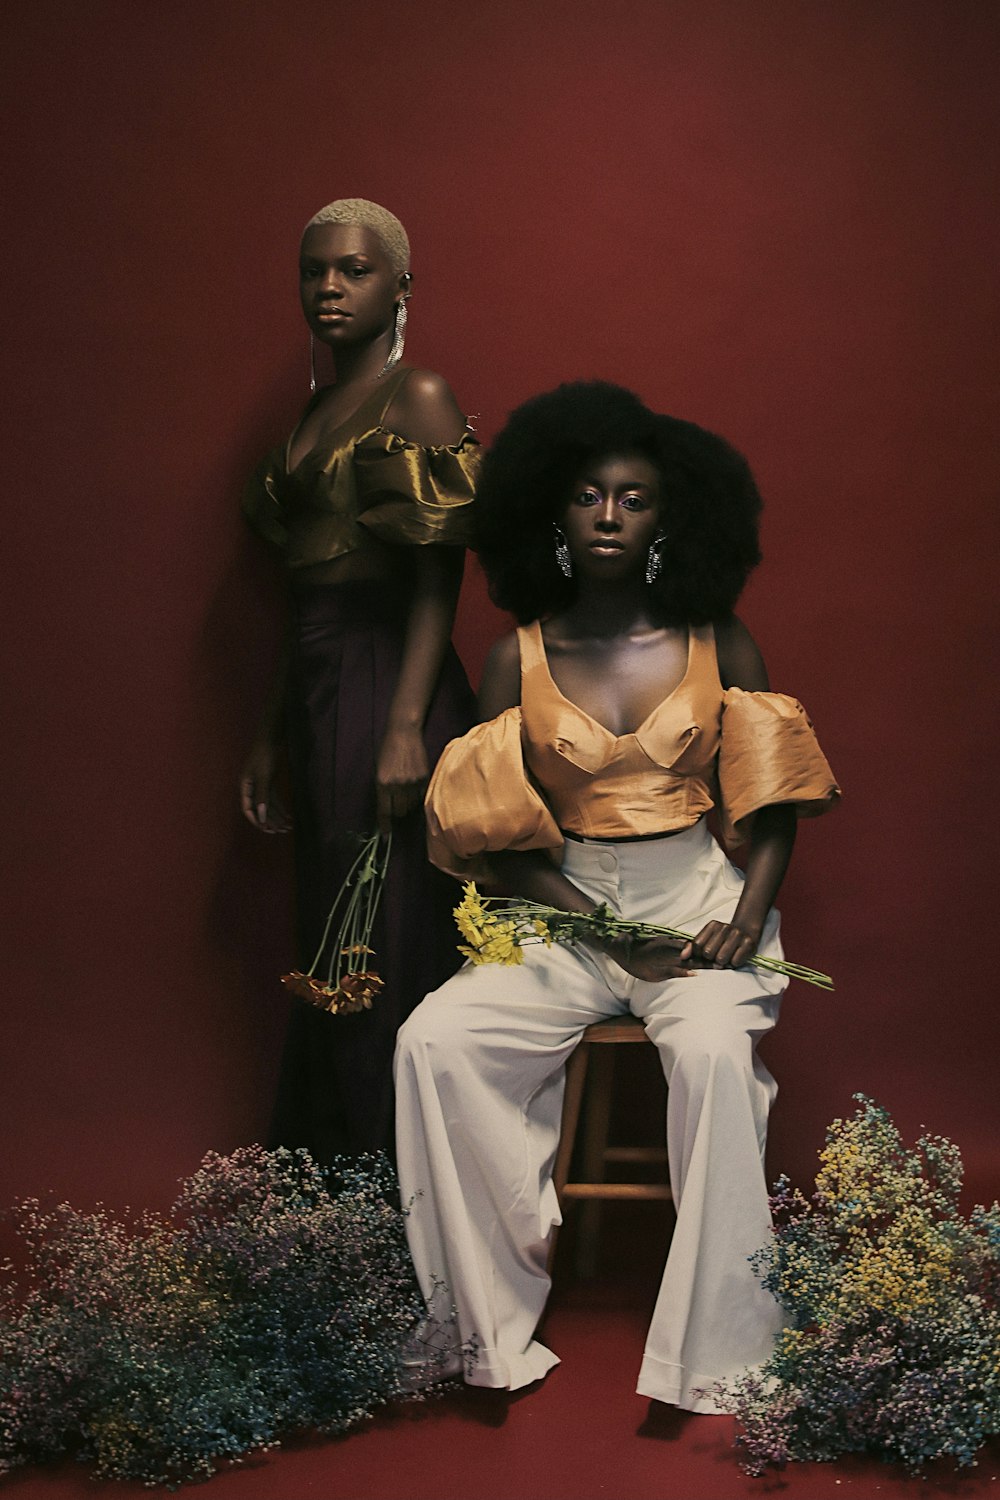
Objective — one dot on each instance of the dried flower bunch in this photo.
(350, 983)
(496, 928)
(893, 1301)
(275, 1296)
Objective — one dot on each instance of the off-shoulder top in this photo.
(518, 781)
(362, 475)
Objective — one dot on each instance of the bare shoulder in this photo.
(740, 662)
(424, 410)
(501, 685)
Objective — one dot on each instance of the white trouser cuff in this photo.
(510, 1372)
(676, 1386)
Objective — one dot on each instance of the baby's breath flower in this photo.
(276, 1297)
(891, 1294)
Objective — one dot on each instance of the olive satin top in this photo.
(362, 475)
(517, 781)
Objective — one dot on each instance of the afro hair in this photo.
(710, 503)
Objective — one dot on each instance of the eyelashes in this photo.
(353, 273)
(629, 501)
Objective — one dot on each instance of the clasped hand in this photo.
(719, 945)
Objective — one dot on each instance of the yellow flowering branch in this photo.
(350, 985)
(496, 928)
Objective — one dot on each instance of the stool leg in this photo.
(576, 1077)
(595, 1143)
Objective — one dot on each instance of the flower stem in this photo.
(566, 926)
(357, 903)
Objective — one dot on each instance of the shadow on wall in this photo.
(249, 918)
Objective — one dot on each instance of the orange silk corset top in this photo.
(362, 479)
(657, 779)
(544, 766)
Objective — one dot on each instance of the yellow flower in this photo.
(494, 943)
(470, 916)
(501, 944)
(472, 954)
(467, 927)
(472, 901)
(541, 928)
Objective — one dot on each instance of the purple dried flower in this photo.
(274, 1296)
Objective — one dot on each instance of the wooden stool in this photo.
(596, 1151)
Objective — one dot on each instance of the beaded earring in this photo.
(654, 562)
(398, 339)
(562, 553)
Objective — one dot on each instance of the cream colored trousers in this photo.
(480, 1071)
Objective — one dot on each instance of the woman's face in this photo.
(347, 285)
(612, 516)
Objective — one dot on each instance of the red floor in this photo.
(581, 1435)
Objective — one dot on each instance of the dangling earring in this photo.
(398, 339)
(312, 365)
(562, 553)
(654, 562)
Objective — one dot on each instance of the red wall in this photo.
(779, 219)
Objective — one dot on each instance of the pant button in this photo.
(607, 862)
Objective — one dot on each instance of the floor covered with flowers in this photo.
(582, 1434)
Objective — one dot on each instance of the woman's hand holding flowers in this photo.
(719, 945)
(724, 945)
(401, 773)
(652, 959)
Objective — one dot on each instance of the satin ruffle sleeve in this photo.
(768, 754)
(480, 800)
(413, 495)
(261, 505)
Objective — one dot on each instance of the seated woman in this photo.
(629, 703)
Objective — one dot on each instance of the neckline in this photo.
(631, 734)
(378, 389)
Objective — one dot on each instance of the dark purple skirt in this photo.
(335, 1093)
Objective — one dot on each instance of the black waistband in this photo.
(626, 838)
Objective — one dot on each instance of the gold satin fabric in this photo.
(480, 800)
(361, 475)
(601, 785)
(516, 781)
(769, 754)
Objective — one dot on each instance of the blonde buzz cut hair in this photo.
(373, 216)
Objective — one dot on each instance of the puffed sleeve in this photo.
(413, 495)
(769, 754)
(262, 505)
(481, 800)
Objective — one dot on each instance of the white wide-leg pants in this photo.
(480, 1070)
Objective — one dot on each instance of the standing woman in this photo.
(629, 702)
(369, 500)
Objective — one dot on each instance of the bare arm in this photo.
(731, 944)
(424, 412)
(401, 768)
(259, 797)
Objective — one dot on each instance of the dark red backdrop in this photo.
(779, 219)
